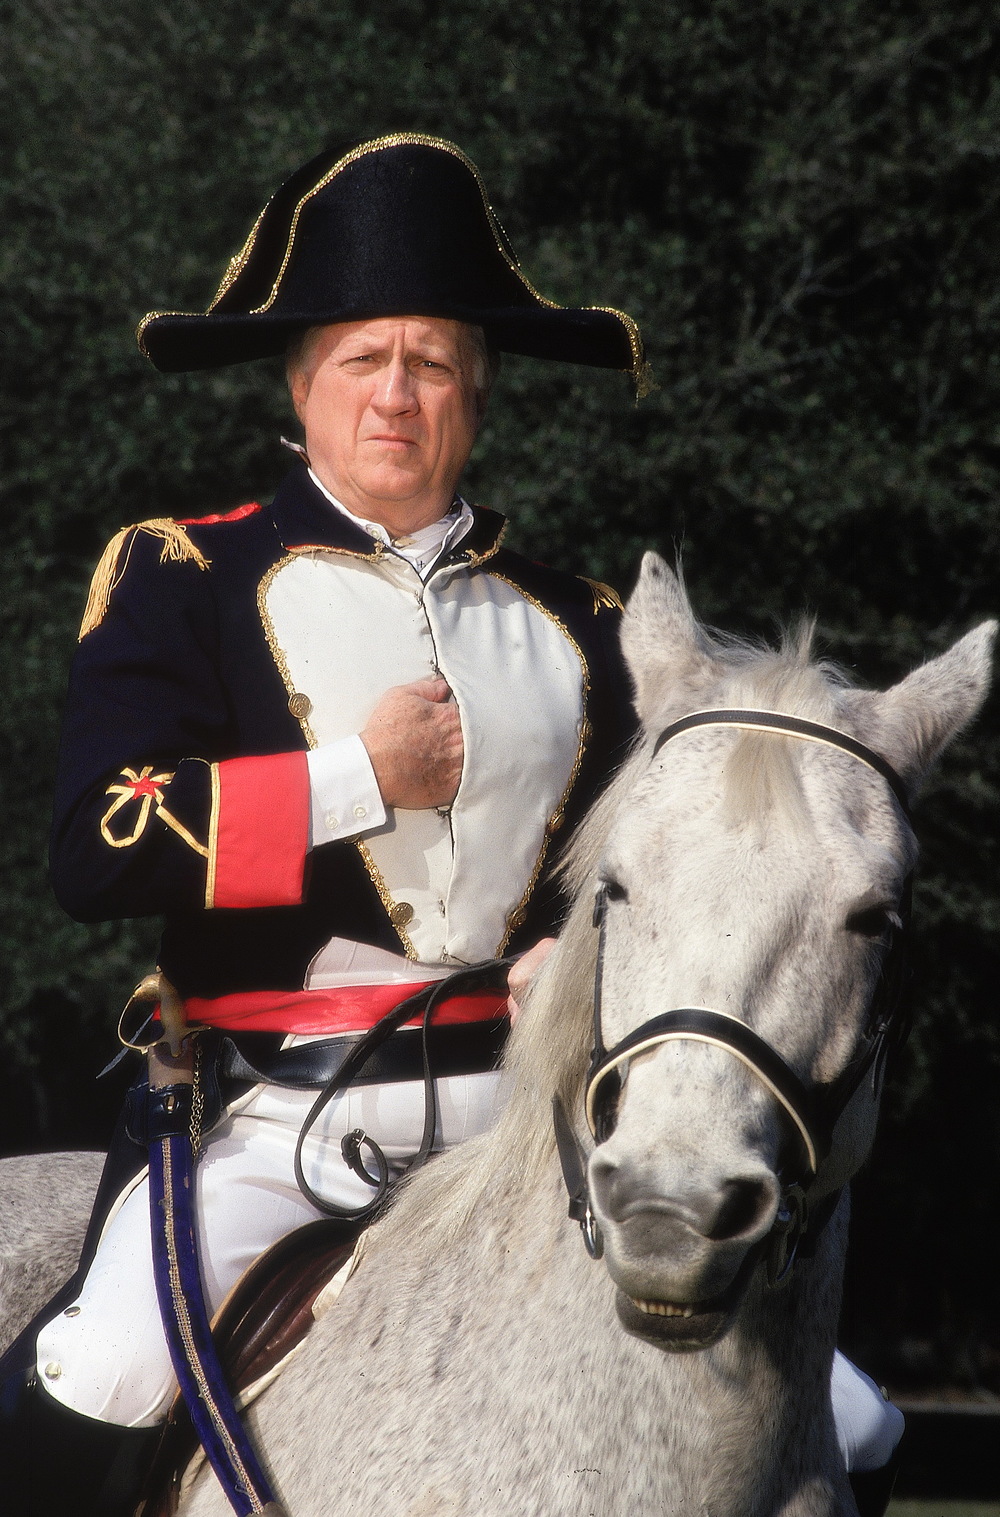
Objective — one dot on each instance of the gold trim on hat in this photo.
(640, 369)
(364, 150)
(236, 264)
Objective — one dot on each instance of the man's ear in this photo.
(298, 389)
(916, 719)
(662, 643)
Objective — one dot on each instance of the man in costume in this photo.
(339, 742)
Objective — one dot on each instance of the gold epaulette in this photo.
(177, 548)
(603, 595)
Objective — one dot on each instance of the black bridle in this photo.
(811, 1112)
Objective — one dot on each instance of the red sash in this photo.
(350, 1008)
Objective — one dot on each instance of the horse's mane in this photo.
(548, 1050)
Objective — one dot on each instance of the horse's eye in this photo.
(614, 890)
(872, 921)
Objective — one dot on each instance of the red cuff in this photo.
(259, 831)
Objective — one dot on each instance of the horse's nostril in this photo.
(743, 1207)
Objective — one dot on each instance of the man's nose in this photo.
(395, 393)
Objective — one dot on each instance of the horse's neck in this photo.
(501, 1358)
(753, 1411)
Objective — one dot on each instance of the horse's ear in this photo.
(661, 640)
(917, 719)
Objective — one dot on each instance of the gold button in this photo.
(72, 1311)
(299, 705)
(517, 919)
(401, 913)
(53, 1371)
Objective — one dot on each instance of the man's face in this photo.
(390, 410)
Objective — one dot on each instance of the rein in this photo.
(492, 974)
(811, 1112)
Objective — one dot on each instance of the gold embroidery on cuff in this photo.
(213, 838)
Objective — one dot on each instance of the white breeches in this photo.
(108, 1358)
(868, 1426)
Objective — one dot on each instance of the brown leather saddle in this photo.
(267, 1314)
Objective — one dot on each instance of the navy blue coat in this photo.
(178, 676)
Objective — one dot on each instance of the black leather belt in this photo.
(465, 1048)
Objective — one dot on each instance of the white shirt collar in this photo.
(422, 549)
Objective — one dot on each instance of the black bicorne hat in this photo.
(400, 226)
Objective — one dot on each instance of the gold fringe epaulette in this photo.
(177, 548)
(603, 595)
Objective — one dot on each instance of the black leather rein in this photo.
(811, 1112)
(362, 1052)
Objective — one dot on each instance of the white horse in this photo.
(479, 1362)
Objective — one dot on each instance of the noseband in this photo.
(810, 1112)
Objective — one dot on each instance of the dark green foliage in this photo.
(799, 205)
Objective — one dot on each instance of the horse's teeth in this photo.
(663, 1308)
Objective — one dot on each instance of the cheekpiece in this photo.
(400, 226)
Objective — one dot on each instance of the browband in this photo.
(791, 726)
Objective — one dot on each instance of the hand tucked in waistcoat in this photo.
(414, 741)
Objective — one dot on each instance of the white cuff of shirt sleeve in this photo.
(345, 797)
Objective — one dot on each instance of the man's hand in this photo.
(520, 975)
(414, 740)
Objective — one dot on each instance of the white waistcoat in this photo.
(344, 629)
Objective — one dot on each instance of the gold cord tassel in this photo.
(177, 548)
(604, 595)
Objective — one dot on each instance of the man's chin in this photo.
(395, 484)
(400, 499)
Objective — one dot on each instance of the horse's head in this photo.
(763, 877)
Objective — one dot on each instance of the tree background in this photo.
(798, 203)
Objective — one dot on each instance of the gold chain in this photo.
(197, 1100)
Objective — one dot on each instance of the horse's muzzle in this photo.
(677, 1252)
(687, 1326)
